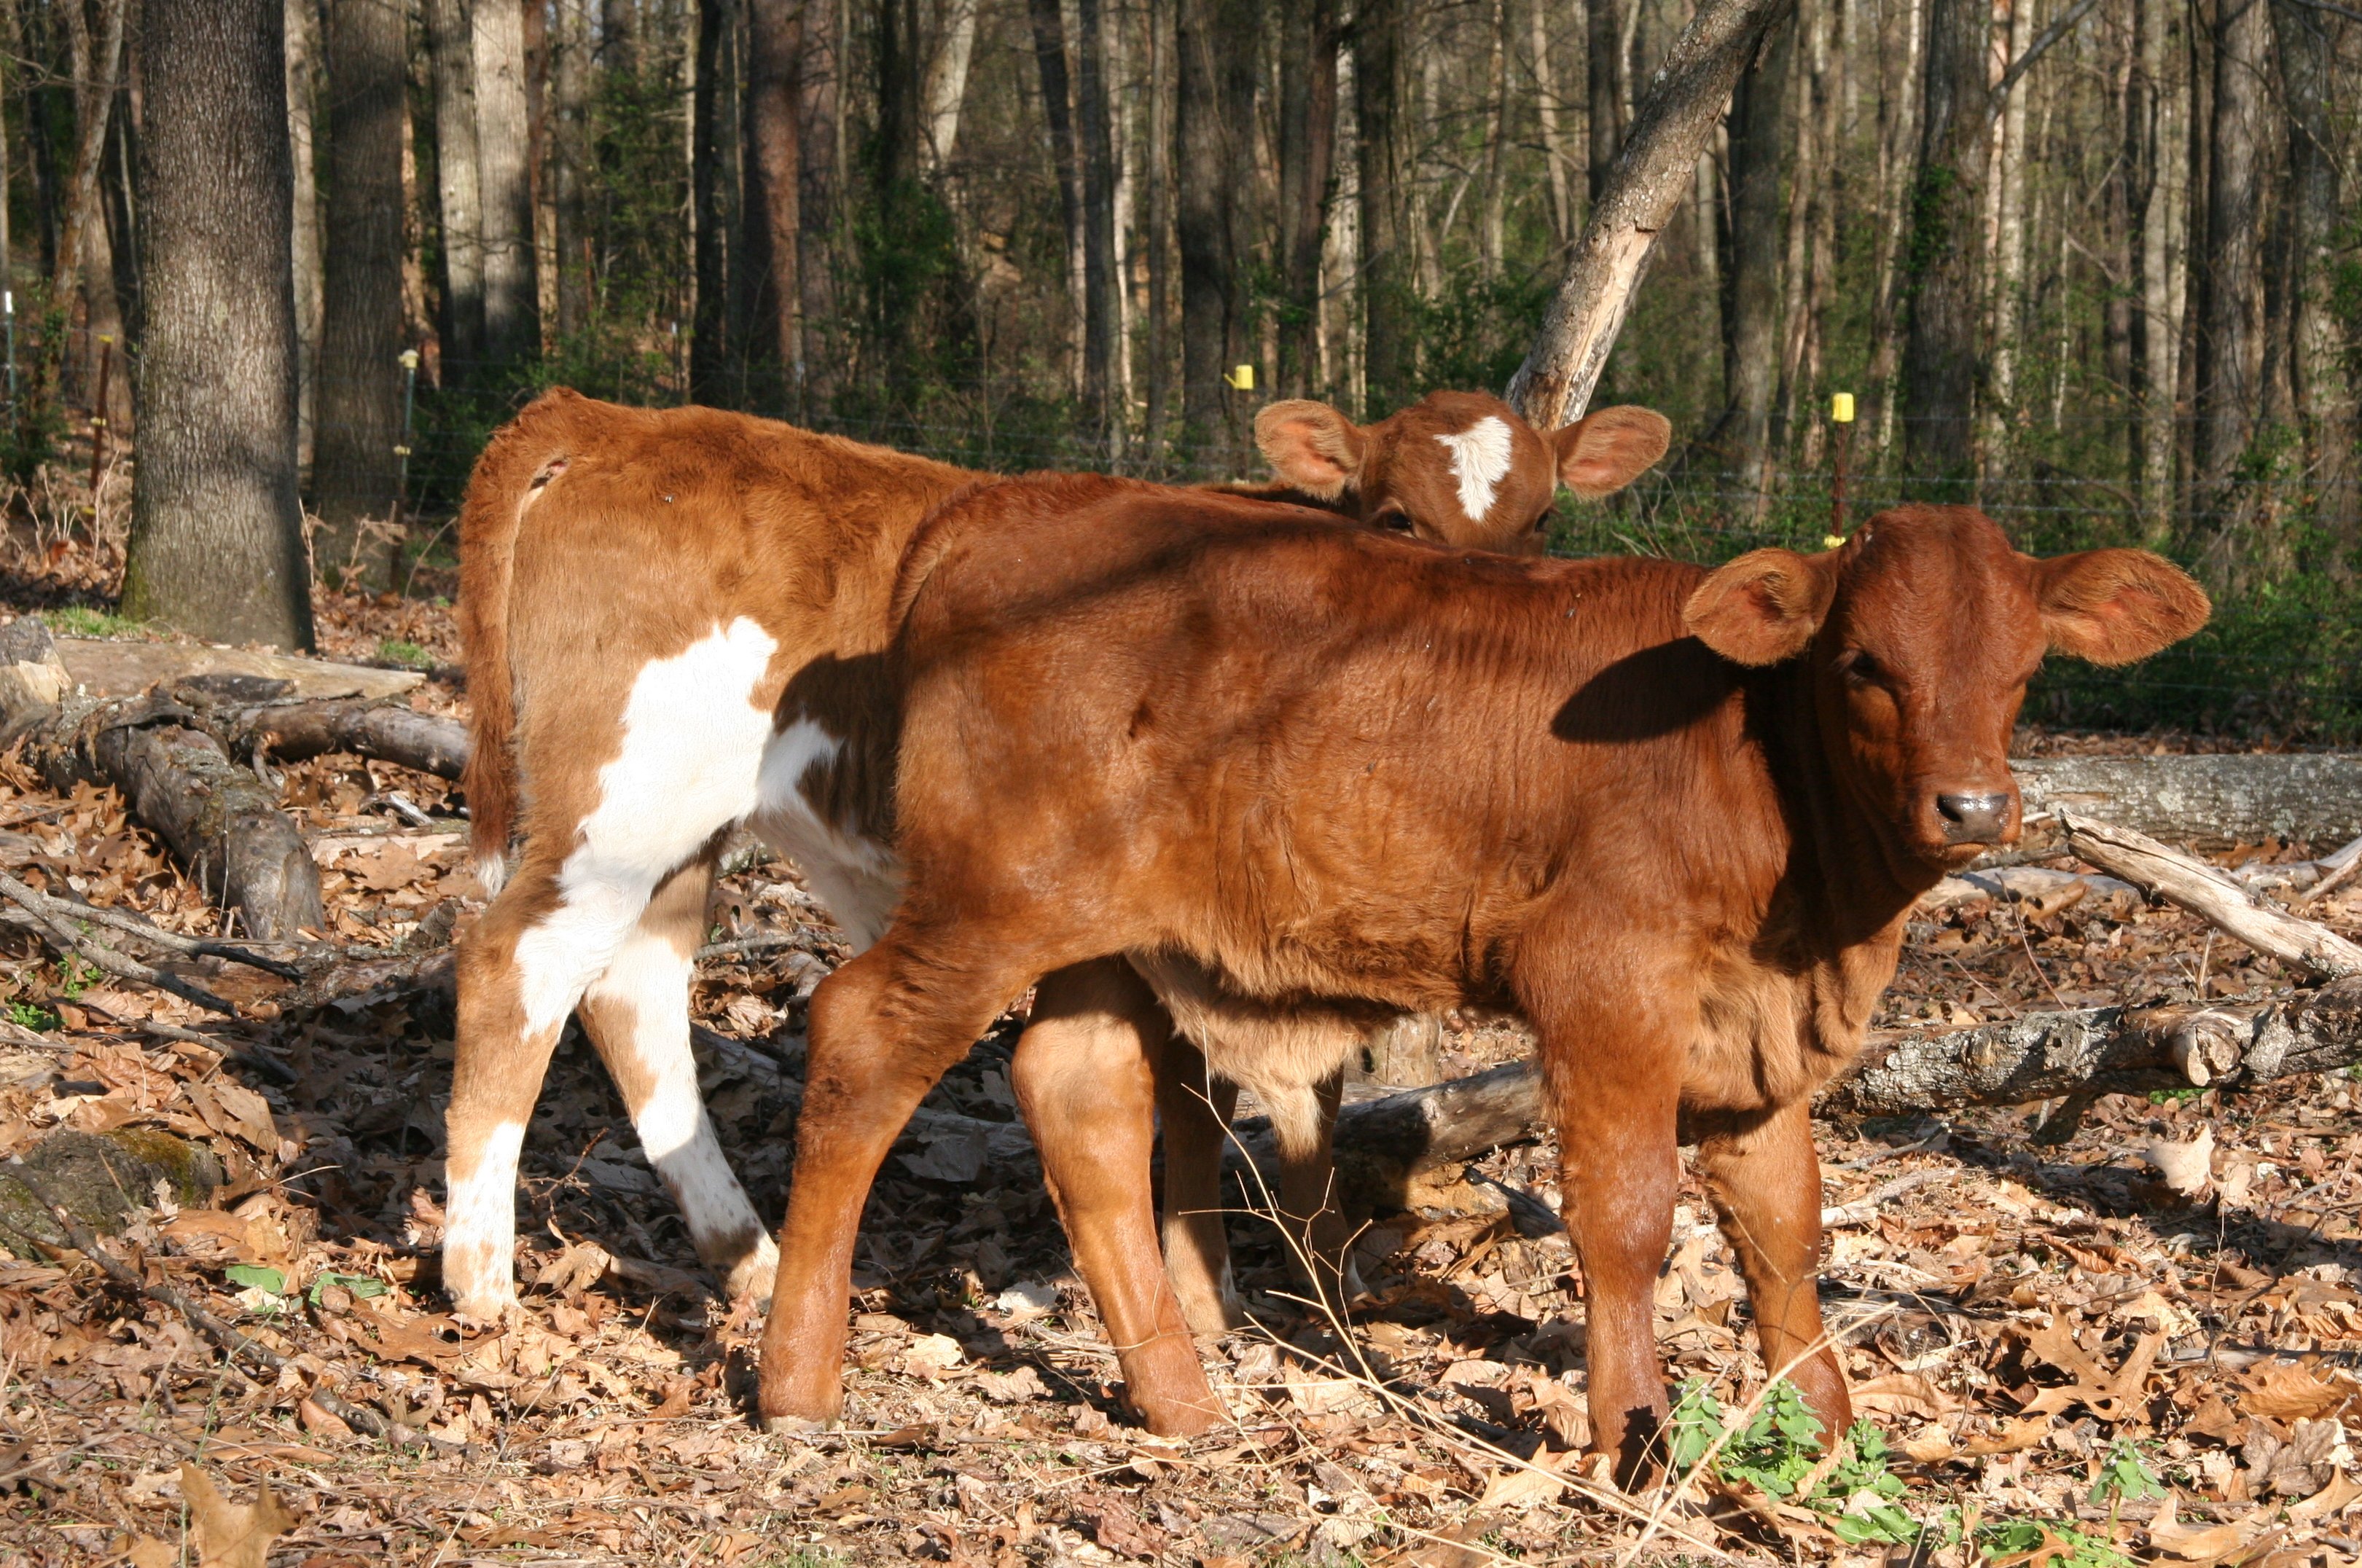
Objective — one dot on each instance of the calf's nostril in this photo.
(1973, 818)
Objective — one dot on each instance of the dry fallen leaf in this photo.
(232, 1535)
(2287, 1392)
(1901, 1394)
(146, 1551)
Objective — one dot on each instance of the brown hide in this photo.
(1674, 817)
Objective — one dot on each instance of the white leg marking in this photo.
(650, 978)
(692, 748)
(1480, 460)
(480, 1234)
(859, 879)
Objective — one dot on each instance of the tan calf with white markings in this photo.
(638, 588)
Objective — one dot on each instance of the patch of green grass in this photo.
(82, 621)
(2173, 1096)
(394, 650)
(78, 975)
(26, 1015)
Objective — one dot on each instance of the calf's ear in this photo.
(1312, 445)
(2114, 606)
(1762, 607)
(1604, 451)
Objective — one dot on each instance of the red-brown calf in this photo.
(637, 588)
(1303, 776)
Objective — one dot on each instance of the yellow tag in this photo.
(1240, 380)
(1833, 542)
(1841, 408)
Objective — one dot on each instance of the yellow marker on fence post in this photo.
(1841, 415)
(1240, 380)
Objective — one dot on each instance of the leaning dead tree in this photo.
(1651, 175)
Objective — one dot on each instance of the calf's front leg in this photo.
(1765, 1178)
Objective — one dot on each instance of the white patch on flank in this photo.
(859, 879)
(651, 977)
(1480, 460)
(693, 747)
(479, 1227)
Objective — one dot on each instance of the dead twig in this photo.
(212, 1327)
(99, 956)
(49, 904)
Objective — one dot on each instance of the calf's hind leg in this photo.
(884, 1027)
(636, 1013)
(1765, 1179)
(1195, 1109)
(1085, 1084)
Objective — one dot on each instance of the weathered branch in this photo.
(388, 732)
(84, 945)
(1656, 168)
(2211, 896)
(2203, 802)
(50, 905)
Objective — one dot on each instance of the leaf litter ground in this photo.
(2078, 1351)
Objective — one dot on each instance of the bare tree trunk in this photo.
(303, 28)
(2006, 297)
(459, 187)
(1103, 313)
(1650, 176)
(1050, 55)
(97, 57)
(2321, 348)
(1759, 133)
(1386, 259)
(569, 162)
(1158, 240)
(947, 87)
(360, 382)
(711, 346)
(2157, 325)
(1546, 102)
(774, 171)
(512, 288)
(820, 142)
(1897, 145)
(2230, 339)
(619, 36)
(216, 531)
(1206, 181)
(1490, 225)
(1309, 37)
(1602, 23)
(1939, 353)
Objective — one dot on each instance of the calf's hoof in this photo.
(752, 1274)
(794, 1426)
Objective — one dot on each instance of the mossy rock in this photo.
(101, 1178)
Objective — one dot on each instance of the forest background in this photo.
(1100, 233)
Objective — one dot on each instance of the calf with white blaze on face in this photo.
(1302, 776)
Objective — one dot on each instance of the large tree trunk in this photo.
(511, 290)
(2230, 336)
(1388, 352)
(458, 191)
(97, 56)
(2008, 278)
(1652, 173)
(2321, 348)
(1307, 143)
(1158, 239)
(569, 159)
(1603, 25)
(1939, 352)
(1759, 138)
(1057, 107)
(1898, 142)
(354, 477)
(712, 345)
(820, 147)
(1102, 282)
(1207, 156)
(217, 532)
(302, 26)
(774, 176)
(947, 80)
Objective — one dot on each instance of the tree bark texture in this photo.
(2321, 350)
(1603, 31)
(1389, 355)
(386, 730)
(1211, 39)
(2205, 802)
(1307, 146)
(820, 151)
(1652, 174)
(711, 348)
(2230, 335)
(355, 472)
(511, 290)
(1759, 138)
(774, 179)
(568, 163)
(1066, 156)
(946, 88)
(217, 542)
(302, 99)
(1940, 272)
(459, 190)
(97, 56)
(1103, 309)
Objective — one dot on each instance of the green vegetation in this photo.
(394, 650)
(81, 621)
(26, 1015)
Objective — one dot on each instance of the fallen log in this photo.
(2211, 895)
(387, 731)
(2205, 802)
